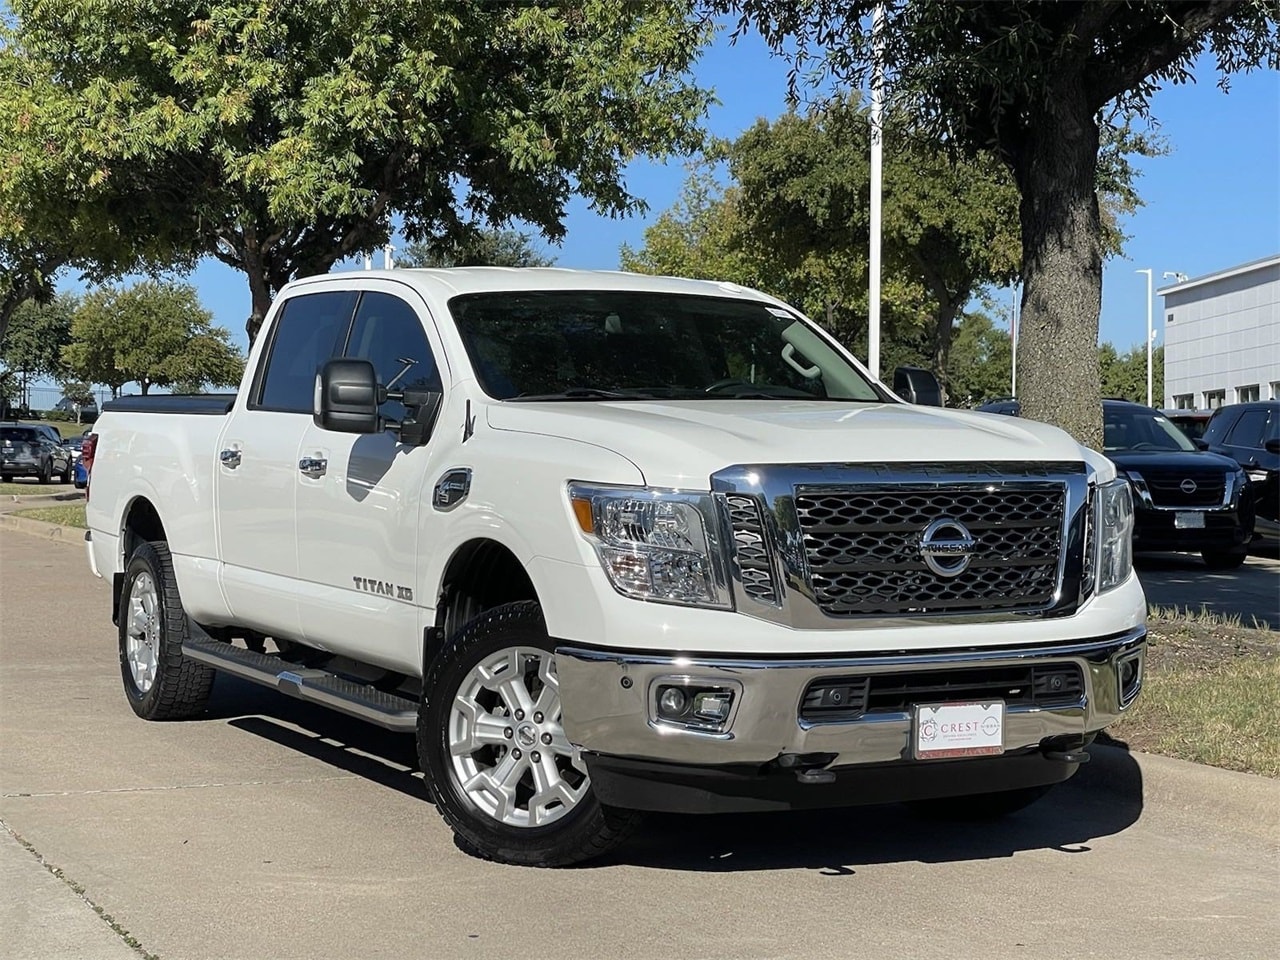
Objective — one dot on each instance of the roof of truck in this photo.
(452, 281)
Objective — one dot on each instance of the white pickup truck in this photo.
(610, 543)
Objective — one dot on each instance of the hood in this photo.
(1171, 460)
(680, 444)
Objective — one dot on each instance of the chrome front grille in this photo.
(863, 547)
(751, 554)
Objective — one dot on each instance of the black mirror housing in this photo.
(347, 397)
(1271, 446)
(1200, 443)
(917, 385)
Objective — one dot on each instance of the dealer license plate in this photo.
(949, 730)
(1188, 520)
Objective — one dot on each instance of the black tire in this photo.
(6, 478)
(65, 476)
(1223, 560)
(180, 687)
(46, 472)
(978, 807)
(586, 831)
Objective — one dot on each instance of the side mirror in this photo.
(1200, 443)
(1272, 446)
(347, 397)
(917, 385)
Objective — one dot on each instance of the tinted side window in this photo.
(310, 330)
(1249, 429)
(1216, 431)
(388, 332)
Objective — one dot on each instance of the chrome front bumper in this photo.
(607, 698)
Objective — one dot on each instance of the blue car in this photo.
(80, 476)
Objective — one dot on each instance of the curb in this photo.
(67, 495)
(1242, 802)
(53, 532)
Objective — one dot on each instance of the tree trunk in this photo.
(942, 334)
(260, 293)
(145, 384)
(1055, 167)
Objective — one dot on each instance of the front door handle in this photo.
(230, 458)
(313, 467)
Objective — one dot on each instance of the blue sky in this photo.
(1214, 202)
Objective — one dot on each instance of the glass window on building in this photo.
(1248, 394)
(1275, 389)
(1184, 401)
(1213, 399)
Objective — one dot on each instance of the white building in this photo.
(1222, 337)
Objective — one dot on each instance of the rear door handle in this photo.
(313, 467)
(230, 458)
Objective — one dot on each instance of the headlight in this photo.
(655, 544)
(1115, 546)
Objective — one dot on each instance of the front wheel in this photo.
(497, 762)
(1223, 560)
(159, 682)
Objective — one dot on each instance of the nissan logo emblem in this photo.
(947, 547)
(1187, 486)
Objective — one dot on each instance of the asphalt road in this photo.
(274, 829)
(1182, 581)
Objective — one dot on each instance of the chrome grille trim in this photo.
(1157, 492)
(753, 567)
(798, 602)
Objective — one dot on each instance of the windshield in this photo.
(627, 345)
(1137, 430)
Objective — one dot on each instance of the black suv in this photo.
(1249, 433)
(1183, 498)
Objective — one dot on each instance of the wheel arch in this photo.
(481, 573)
(139, 523)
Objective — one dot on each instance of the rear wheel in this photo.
(498, 765)
(160, 683)
(1223, 560)
(46, 472)
(65, 476)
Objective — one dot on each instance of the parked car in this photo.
(73, 445)
(1190, 422)
(80, 474)
(27, 450)
(1185, 500)
(1249, 433)
(608, 543)
(86, 412)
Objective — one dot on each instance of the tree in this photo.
(485, 248)
(1123, 376)
(60, 205)
(32, 344)
(283, 137)
(1036, 82)
(79, 393)
(154, 334)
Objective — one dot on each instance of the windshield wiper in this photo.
(585, 393)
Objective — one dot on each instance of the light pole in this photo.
(1150, 333)
(877, 146)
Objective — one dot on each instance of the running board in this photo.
(316, 686)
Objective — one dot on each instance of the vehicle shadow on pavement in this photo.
(1095, 803)
(361, 749)
(1105, 797)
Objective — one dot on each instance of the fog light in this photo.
(702, 706)
(712, 705)
(671, 702)
(1129, 675)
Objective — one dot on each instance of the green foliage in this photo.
(1045, 86)
(1124, 375)
(488, 247)
(282, 137)
(981, 361)
(32, 345)
(154, 334)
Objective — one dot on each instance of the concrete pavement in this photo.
(274, 829)
(1182, 581)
